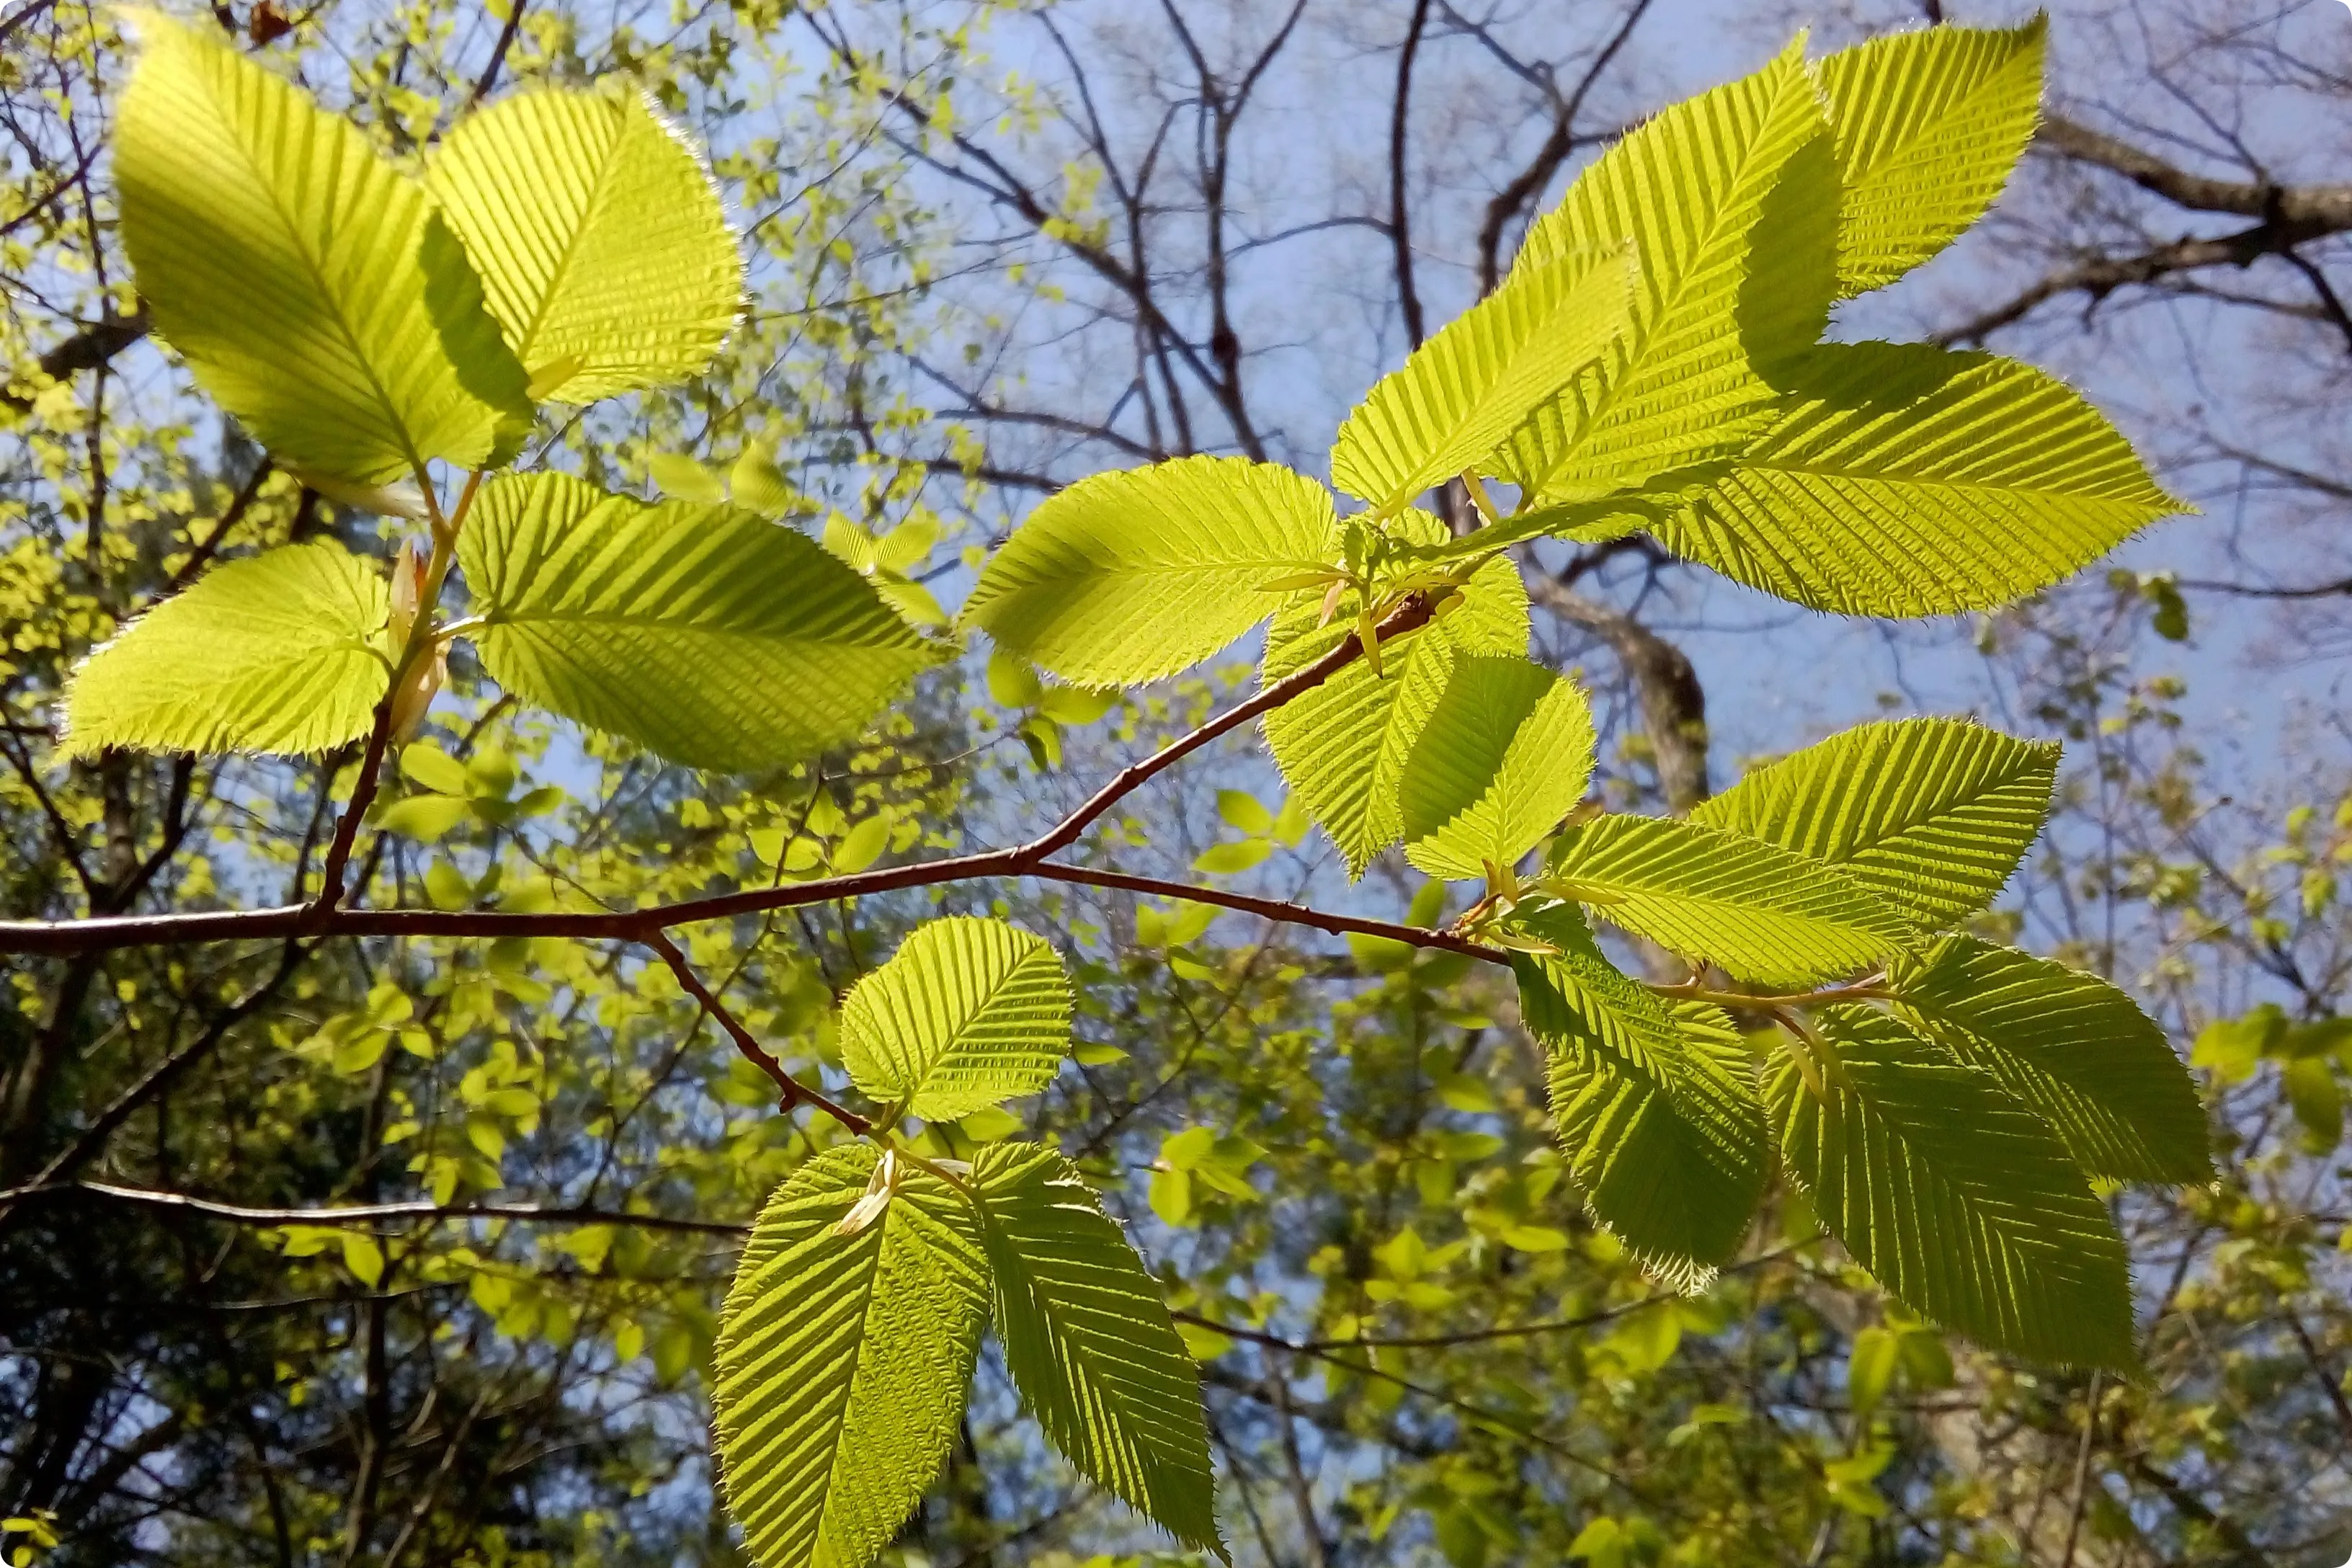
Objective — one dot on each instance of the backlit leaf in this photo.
(1655, 1102)
(1131, 575)
(968, 1013)
(1468, 387)
(598, 234)
(1906, 479)
(1929, 816)
(1730, 201)
(283, 652)
(313, 287)
(1504, 756)
(1955, 1195)
(1759, 911)
(1089, 1343)
(1342, 745)
(705, 633)
(2073, 1047)
(1928, 124)
(843, 1361)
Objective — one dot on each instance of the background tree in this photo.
(1073, 239)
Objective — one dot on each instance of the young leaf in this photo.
(1655, 1104)
(1955, 1195)
(1730, 200)
(1929, 816)
(599, 237)
(2076, 1050)
(967, 1013)
(281, 652)
(1759, 911)
(310, 285)
(1089, 1343)
(1342, 745)
(705, 633)
(1928, 125)
(1905, 480)
(843, 1361)
(1129, 576)
(1504, 756)
(1467, 389)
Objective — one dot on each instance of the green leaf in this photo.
(1656, 1104)
(1129, 576)
(2316, 1099)
(1952, 1192)
(1504, 756)
(1906, 479)
(1928, 124)
(1931, 816)
(2073, 1047)
(311, 287)
(1730, 200)
(843, 1361)
(1342, 745)
(682, 478)
(1462, 394)
(1759, 911)
(283, 652)
(967, 1013)
(1089, 1343)
(599, 237)
(705, 633)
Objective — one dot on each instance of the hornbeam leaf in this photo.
(1928, 125)
(967, 1013)
(283, 652)
(1763, 913)
(707, 634)
(1089, 1340)
(1655, 1102)
(1931, 816)
(1906, 479)
(1730, 200)
(1955, 1194)
(1467, 389)
(1129, 576)
(1342, 745)
(2073, 1047)
(1503, 757)
(599, 236)
(842, 1359)
(313, 287)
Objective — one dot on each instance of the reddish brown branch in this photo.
(794, 1092)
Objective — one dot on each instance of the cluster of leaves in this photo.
(1653, 362)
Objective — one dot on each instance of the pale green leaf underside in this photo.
(1955, 1196)
(1730, 201)
(598, 234)
(1342, 745)
(1131, 575)
(1929, 816)
(967, 1013)
(311, 287)
(842, 1362)
(1462, 392)
(1928, 125)
(705, 633)
(1906, 479)
(1089, 1343)
(1504, 756)
(2076, 1048)
(1654, 1104)
(283, 652)
(1757, 910)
